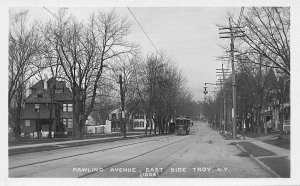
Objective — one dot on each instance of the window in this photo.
(136, 124)
(141, 124)
(67, 107)
(68, 122)
(114, 116)
(138, 116)
(65, 121)
(70, 107)
(27, 123)
(58, 91)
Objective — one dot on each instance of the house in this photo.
(277, 109)
(49, 106)
(90, 121)
(135, 119)
(115, 116)
(139, 119)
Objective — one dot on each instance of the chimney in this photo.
(45, 84)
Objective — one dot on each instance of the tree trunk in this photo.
(17, 129)
(151, 126)
(281, 120)
(147, 125)
(81, 130)
(77, 128)
(76, 122)
(159, 126)
(155, 124)
(50, 122)
(77, 114)
(146, 129)
(258, 122)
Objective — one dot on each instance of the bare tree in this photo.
(83, 52)
(268, 34)
(254, 94)
(126, 65)
(25, 49)
(160, 87)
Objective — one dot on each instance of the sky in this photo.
(188, 35)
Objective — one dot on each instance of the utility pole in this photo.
(123, 124)
(205, 92)
(224, 99)
(222, 72)
(233, 82)
(220, 82)
(233, 33)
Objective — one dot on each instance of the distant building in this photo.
(135, 120)
(139, 119)
(277, 108)
(90, 121)
(115, 116)
(38, 115)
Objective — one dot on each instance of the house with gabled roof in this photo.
(48, 107)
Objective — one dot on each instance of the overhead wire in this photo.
(50, 12)
(142, 29)
(241, 15)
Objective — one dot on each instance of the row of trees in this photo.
(90, 56)
(262, 65)
(162, 91)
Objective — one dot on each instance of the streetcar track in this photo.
(80, 154)
(173, 161)
(139, 155)
(103, 150)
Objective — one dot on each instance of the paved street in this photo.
(202, 154)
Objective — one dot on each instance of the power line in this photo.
(50, 12)
(233, 33)
(142, 29)
(241, 14)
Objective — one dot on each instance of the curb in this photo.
(58, 146)
(69, 142)
(259, 163)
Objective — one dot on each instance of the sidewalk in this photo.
(273, 159)
(37, 147)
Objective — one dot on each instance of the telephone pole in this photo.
(205, 92)
(123, 124)
(223, 95)
(233, 33)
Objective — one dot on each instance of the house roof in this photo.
(35, 98)
(38, 85)
(58, 84)
(271, 80)
(31, 113)
(66, 95)
(45, 97)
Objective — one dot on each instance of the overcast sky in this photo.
(188, 35)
